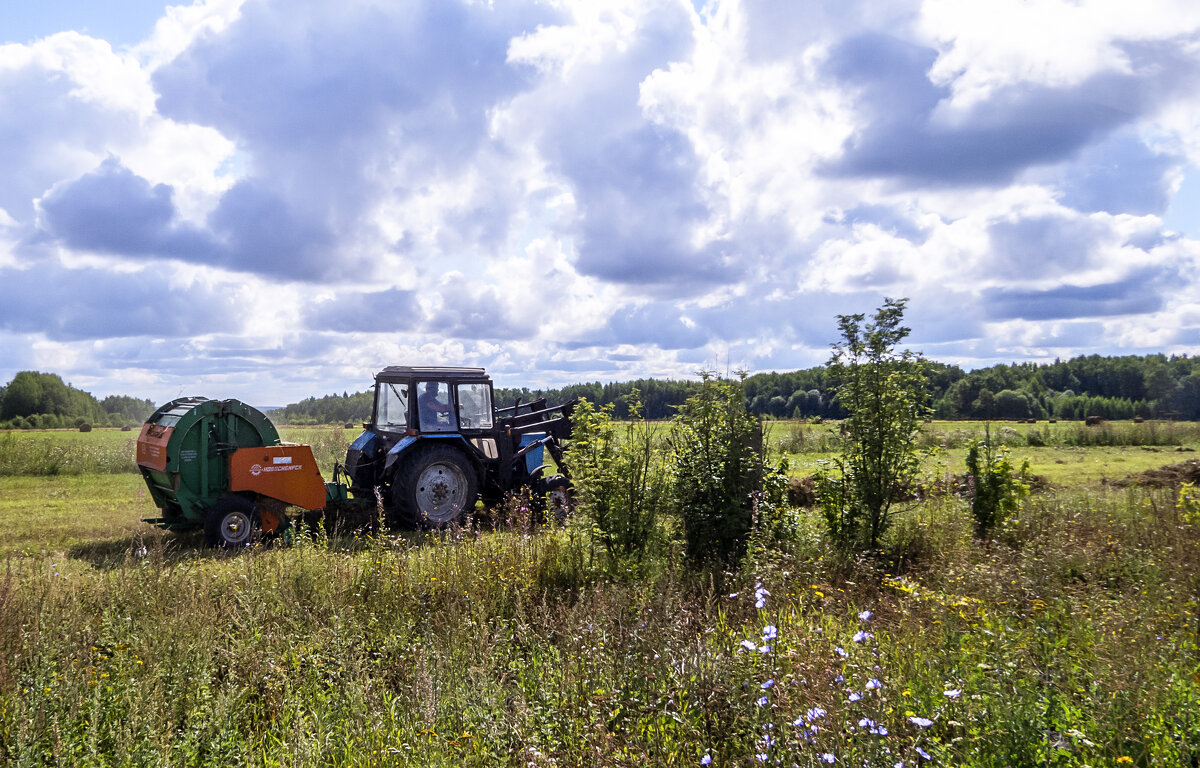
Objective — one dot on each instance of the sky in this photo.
(272, 200)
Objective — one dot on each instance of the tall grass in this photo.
(802, 437)
(55, 453)
(42, 455)
(1066, 434)
(1070, 641)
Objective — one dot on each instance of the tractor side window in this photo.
(475, 406)
(433, 405)
(391, 406)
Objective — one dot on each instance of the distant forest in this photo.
(1151, 386)
(35, 400)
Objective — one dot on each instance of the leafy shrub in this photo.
(718, 470)
(996, 487)
(621, 485)
(1188, 503)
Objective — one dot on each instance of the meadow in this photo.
(1071, 639)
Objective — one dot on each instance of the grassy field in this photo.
(1071, 640)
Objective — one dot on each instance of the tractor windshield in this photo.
(433, 405)
(391, 406)
(475, 406)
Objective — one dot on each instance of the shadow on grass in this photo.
(161, 546)
(168, 548)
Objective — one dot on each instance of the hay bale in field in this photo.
(1164, 477)
(802, 491)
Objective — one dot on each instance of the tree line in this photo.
(34, 400)
(1150, 386)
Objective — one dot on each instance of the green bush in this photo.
(621, 484)
(718, 471)
(996, 487)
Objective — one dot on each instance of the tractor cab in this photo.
(413, 401)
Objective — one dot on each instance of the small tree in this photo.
(996, 488)
(621, 484)
(718, 469)
(883, 391)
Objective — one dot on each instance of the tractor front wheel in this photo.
(232, 523)
(435, 487)
(558, 495)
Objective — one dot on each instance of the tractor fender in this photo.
(365, 442)
(406, 443)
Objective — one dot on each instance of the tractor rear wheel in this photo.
(232, 523)
(435, 487)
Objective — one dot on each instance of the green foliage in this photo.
(620, 482)
(331, 409)
(996, 487)
(31, 393)
(1188, 503)
(129, 410)
(42, 401)
(883, 390)
(719, 470)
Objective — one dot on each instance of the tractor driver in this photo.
(429, 406)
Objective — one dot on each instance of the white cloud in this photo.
(578, 190)
(989, 44)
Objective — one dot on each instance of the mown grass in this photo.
(1071, 640)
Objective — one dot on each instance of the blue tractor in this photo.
(435, 445)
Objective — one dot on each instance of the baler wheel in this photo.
(232, 523)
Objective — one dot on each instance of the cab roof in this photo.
(431, 372)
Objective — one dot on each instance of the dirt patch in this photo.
(1163, 477)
